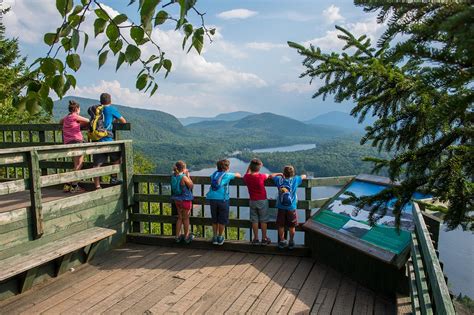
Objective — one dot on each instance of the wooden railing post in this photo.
(35, 193)
(127, 173)
(42, 139)
(308, 197)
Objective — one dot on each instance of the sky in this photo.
(248, 66)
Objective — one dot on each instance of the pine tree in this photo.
(419, 86)
(14, 77)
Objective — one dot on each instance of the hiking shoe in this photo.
(189, 239)
(214, 240)
(66, 188)
(77, 189)
(255, 242)
(179, 239)
(266, 241)
(220, 240)
(282, 244)
(115, 181)
(291, 245)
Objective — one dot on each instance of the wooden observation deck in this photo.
(111, 250)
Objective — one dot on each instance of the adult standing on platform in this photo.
(102, 118)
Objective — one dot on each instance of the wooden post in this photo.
(35, 193)
(42, 139)
(137, 227)
(308, 197)
(127, 173)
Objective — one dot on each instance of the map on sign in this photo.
(336, 219)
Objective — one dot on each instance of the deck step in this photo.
(229, 245)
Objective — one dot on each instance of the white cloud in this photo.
(237, 14)
(29, 20)
(331, 14)
(329, 41)
(192, 103)
(285, 59)
(300, 88)
(264, 45)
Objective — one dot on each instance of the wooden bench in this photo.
(62, 249)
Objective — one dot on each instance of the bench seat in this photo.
(28, 261)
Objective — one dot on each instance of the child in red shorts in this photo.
(182, 195)
(287, 184)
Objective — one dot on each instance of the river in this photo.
(456, 247)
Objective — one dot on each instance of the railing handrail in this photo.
(206, 180)
(438, 289)
(51, 127)
(46, 151)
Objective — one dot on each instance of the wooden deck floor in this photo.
(21, 199)
(138, 279)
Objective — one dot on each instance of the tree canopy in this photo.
(418, 82)
(124, 38)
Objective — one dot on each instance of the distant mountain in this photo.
(267, 129)
(147, 125)
(340, 119)
(225, 117)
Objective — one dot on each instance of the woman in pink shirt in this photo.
(72, 134)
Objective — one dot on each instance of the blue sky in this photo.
(247, 67)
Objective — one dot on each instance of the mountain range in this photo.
(225, 116)
(164, 139)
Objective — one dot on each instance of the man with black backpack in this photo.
(100, 130)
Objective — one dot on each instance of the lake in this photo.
(456, 247)
(291, 148)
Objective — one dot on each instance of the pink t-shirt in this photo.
(71, 129)
(256, 185)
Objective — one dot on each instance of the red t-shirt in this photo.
(256, 185)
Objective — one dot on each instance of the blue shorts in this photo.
(219, 211)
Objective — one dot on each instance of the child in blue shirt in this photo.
(218, 197)
(287, 184)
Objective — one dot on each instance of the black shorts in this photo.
(101, 158)
(219, 211)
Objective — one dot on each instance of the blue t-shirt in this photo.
(110, 114)
(294, 182)
(223, 192)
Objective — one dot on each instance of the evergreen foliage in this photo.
(417, 82)
(14, 77)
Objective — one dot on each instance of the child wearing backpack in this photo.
(258, 203)
(182, 195)
(218, 197)
(72, 123)
(287, 184)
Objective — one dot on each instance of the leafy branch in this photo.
(123, 37)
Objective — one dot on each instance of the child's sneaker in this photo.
(220, 240)
(291, 245)
(115, 181)
(214, 240)
(66, 188)
(255, 242)
(189, 239)
(282, 244)
(266, 241)
(179, 239)
(77, 189)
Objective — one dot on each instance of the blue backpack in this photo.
(216, 180)
(286, 195)
(176, 185)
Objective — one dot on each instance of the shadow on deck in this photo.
(137, 278)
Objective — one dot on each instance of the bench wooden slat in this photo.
(20, 263)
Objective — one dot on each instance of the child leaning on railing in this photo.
(182, 195)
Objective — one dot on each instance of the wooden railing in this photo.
(153, 212)
(26, 135)
(30, 159)
(428, 289)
